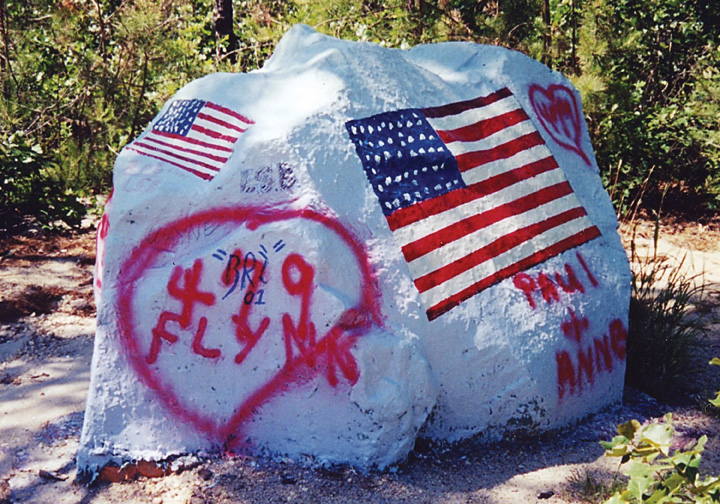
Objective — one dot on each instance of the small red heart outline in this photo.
(559, 113)
(358, 320)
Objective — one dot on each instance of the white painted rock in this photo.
(352, 247)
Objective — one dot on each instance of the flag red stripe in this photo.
(220, 122)
(213, 134)
(503, 180)
(557, 248)
(482, 220)
(485, 128)
(185, 149)
(193, 141)
(494, 249)
(178, 156)
(229, 112)
(200, 174)
(456, 108)
(474, 159)
(421, 210)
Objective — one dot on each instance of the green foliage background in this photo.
(82, 78)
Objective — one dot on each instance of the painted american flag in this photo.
(194, 135)
(471, 193)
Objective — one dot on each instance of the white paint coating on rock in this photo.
(351, 247)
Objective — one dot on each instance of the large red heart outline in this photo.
(330, 350)
(559, 113)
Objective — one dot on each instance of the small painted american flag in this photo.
(194, 135)
(471, 193)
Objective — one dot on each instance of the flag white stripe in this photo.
(501, 137)
(486, 269)
(183, 143)
(172, 159)
(462, 247)
(474, 115)
(200, 158)
(218, 128)
(500, 166)
(432, 223)
(230, 119)
(198, 135)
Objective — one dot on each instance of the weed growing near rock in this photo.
(665, 326)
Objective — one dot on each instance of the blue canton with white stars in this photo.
(179, 117)
(404, 159)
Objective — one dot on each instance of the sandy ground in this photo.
(44, 375)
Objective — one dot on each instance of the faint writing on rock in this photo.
(266, 179)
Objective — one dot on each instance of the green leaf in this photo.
(615, 499)
(628, 429)
(658, 435)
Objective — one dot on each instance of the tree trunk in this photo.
(574, 40)
(547, 33)
(226, 40)
(5, 66)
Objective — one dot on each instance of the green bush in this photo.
(28, 187)
(658, 474)
(649, 73)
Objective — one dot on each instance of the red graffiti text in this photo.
(591, 359)
(197, 312)
(548, 286)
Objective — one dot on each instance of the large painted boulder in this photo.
(350, 248)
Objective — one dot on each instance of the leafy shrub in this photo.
(657, 473)
(649, 74)
(28, 188)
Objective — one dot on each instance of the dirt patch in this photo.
(33, 299)
(38, 247)
(701, 235)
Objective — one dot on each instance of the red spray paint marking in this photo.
(197, 346)
(231, 274)
(527, 284)
(330, 351)
(559, 113)
(189, 296)
(549, 288)
(566, 373)
(243, 332)
(572, 284)
(606, 350)
(587, 270)
(297, 277)
(592, 359)
(618, 338)
(575, 327)
(334, 348)
(102, 232)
